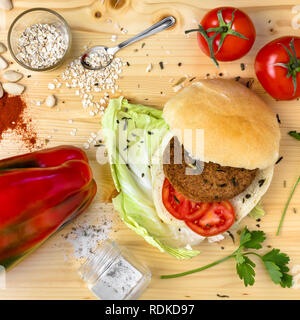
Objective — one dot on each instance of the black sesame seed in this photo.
(98, 14)
(278, 160)
(222, 295)
(261, 182)
(161, 64)
(128, 64)
(237, 78)
(278, 119)
(192, 79)
(249, 83)
(231, 236)
(242, 66)
(247, 196)
(179, 64)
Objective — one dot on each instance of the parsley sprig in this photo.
(274, 261)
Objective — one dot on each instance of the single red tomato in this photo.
(277, 67)
(217, 219)
(225, 34)
(180, 207)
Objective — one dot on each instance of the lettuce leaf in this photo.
(132, 134)
(257, 212)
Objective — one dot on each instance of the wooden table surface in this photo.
(46, 274)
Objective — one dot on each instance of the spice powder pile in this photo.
(14, 119)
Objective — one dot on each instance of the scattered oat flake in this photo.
(51, 86)
(86, 146)
(114, 38)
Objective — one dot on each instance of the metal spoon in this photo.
(157, 27)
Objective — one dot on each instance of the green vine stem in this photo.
(177, 275)
(293, 66)
(286, 206)
(224, 29)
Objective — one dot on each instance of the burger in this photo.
(205, 169)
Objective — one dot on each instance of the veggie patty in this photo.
(214, 183)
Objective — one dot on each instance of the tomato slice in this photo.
(217, 219)
(205, 218)
(180, 207)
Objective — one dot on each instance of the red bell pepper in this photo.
(39, 193)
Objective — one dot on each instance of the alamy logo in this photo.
(145, 147)
(2, 278)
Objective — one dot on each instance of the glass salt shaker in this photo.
(113, 273)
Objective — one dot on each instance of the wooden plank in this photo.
(46, 274)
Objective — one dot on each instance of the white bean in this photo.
(12, 76)
(14, 89)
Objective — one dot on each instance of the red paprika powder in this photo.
(13, 118)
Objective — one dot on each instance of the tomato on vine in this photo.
(225, 34)
(277, 67)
